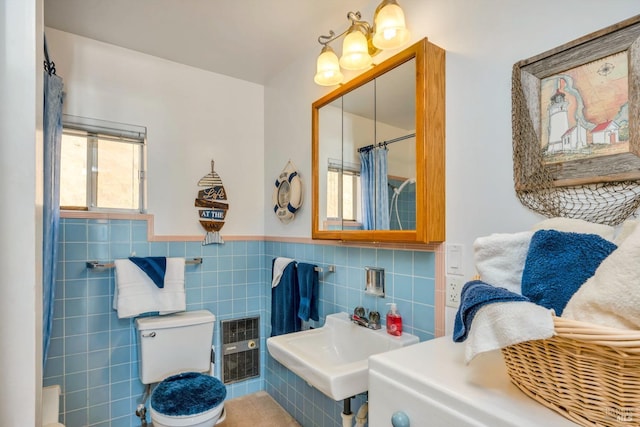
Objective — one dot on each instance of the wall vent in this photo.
(240, 349)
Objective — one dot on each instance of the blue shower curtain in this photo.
(374, 183)
(52, 130)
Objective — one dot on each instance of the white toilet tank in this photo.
(174, 343)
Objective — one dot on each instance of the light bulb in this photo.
(355, 51)
(327, 68)
(391, 31)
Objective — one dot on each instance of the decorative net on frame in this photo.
(607, 203)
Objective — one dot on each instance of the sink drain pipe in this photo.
(361, 417)
(347, 415)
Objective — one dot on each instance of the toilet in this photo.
(175, 352)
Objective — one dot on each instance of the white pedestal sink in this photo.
(334, 358)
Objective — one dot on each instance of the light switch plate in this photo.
(454, 259)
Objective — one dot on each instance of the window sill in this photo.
(336, 224)
(84, 214)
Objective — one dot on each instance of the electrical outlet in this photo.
(452, 294)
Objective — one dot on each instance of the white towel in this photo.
(278, 268)
(502, 324)
(500, 259)
(625, 230)
(611, 297)
(135, 293)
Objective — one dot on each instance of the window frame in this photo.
(342, 169)
(95, 130)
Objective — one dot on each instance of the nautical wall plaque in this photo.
(287, 194)
(212, 207)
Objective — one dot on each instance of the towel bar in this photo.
(330, 269)
(102, 265)
(194, 261)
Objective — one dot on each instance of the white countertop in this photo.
(480, 391)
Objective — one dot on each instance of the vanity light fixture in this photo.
(328, 67)
(361, 42)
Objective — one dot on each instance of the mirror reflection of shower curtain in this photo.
(374, 182)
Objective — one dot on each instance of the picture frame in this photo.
(576, 111)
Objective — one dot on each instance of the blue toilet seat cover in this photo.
(189, 393)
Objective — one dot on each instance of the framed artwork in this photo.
(576, 110)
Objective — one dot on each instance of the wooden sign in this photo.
(211, 198)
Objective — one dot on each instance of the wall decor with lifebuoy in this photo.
(212, 209)
(287, 194)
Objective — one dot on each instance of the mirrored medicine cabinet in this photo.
(378, 152)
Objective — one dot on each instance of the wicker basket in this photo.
(587, 373)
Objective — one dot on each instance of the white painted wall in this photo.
(287, 119)
(21, 215)
(483, 39)
(191, 115)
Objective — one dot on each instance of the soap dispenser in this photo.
(394, 320)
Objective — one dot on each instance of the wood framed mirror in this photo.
(378, 152)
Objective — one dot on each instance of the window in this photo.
(348, 193)
(102, 165)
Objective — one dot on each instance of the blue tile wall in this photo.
(409, 281)
(93, 355)
(405, 205)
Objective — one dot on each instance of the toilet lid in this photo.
(189, 393)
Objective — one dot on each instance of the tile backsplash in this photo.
(93, 355)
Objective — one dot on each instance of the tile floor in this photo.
(256, 410)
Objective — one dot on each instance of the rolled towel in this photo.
(625, 230)
(575, 225)
(558, 263)
(612, 296)
(500, 258)
(503, 324)
(475, 295)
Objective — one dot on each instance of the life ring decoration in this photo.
(211, 199)
(287, 194)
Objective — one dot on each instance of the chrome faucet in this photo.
(359, 318)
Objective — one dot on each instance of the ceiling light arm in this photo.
(325, 40)
(356, 23)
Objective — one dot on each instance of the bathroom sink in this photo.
(334, 358)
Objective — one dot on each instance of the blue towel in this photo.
(308, 282)
(155, 267)
(558, 263)
(475, 295)
(285, 302)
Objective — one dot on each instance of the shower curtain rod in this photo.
(384, 143)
